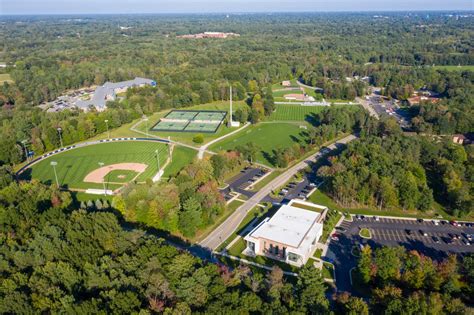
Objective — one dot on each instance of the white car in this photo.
(435, 222)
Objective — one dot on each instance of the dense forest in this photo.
(406, 282)
(388, 170)
(55, 258)
(50, 55)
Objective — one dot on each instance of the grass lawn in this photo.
(267, 136)
(365, 233)
(329, 223)
(455, 68)
(5, 77)
(328, 271)
(75, 164)
(182, 156)
(319, 197)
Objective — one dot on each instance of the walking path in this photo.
(204, 147)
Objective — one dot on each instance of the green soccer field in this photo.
(296, 112)
(267, 136)
(73, 166)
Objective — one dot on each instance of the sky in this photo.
(8, 7)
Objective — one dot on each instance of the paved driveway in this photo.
(223, 231)
(396, 232)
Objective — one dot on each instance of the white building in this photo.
(290, 235)
(109, 91)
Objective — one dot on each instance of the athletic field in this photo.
(267, 136)
(191, 121)
(295, 112)
(75, 165)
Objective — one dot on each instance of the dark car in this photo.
(409, 232)
(420, 220)
(424, 233)
(435, 239)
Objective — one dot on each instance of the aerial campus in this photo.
(318, 163)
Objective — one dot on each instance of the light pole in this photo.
(60, 130)
(53, 164)
(103, 180)
(107, 125)
(24, 147)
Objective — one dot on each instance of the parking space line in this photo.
(397, 236)
(389, 234)
(401, 236)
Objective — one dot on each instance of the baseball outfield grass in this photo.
(73, 166)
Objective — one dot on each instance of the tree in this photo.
(311, 287)
(190, 217)
(199, 138)
(249, 151)
(389, 262)
(365, 264)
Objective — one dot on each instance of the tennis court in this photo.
(170, 125)
(206, 121)
(181, 115)
(202, 127)
(217, 116)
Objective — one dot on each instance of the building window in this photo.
(293, 257)
(251, 246)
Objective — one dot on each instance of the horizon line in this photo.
(240, 13)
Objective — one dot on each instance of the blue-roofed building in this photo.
(109, 91)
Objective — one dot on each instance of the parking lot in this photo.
(240, 182)
(385, 107)
(444, 236)
(435, 240)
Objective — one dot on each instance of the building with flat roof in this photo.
(290, 235)
(109, 91)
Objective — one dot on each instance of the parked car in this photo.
(335, 237)
(454, 223)
(408, 232)
(420, 220)
(466, 242)
(435, 239)
(424, 233)
(341, 229)
(376, 218)
(435, 222)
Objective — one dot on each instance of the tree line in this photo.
(387, 170)
(399, 281)
(57, 258)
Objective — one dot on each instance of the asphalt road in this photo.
(225, 230)
(393, 232)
